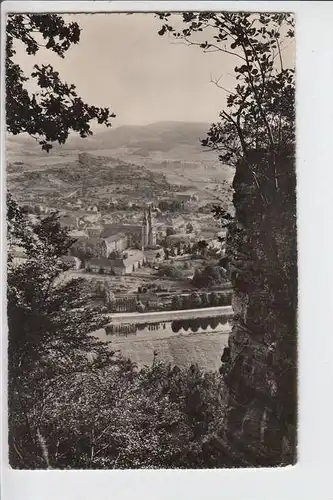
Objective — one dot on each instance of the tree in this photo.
(50, 114)
(209, 276)
(187, 304)
(222, 299)
(171, 271)
(204, 300)
(39, 300)
(256, 135)
(140, 307)
(261, 113)
(120, 417)
(202, 247)
(50, 320)
(189, 228)
(170, 231)
(214, 299)
(196, 302)
(176, 303)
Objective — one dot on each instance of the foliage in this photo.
(49, 317)
(195, 300)
(260, 113)
(47, 314)
(202, 246)
(209, 276)
(176, 302)
(119, 417)
(86, 249)
(171, 271)
(50, 114)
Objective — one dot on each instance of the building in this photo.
(116, 243)
(129, 263)
(69, 221)
(76, 233)
(148, 233)
(93, 231)
(90, 218)
(92, 208)
(132, 231)
(153, 255)
(100, 265)
(185, 197)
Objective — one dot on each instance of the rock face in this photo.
(260, 363)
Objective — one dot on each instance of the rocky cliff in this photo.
(260, 362)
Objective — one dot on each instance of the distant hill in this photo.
(159, 136)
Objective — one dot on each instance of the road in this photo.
(160, 316)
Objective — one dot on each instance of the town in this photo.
(141, 243)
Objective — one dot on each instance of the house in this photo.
(153, 255)
(186, 197)
(132, 231)
(131, 262)
(116, 243)
(100, 265)
(93, 231)
(75, 233)
(90, 218)
(68, 221)
(92, 208)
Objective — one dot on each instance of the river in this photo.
(179, 342)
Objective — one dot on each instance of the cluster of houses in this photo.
(123, 248)
(120, 249)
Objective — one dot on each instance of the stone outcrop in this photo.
(260, 363)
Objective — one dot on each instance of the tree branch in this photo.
(216, 83)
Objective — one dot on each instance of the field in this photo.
(152, 156)
(130, 283)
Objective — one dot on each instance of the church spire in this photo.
(144, 230)
(151, 229)
(144, 220)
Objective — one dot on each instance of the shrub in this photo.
(214, 299)
(176, 303)
(195, 299)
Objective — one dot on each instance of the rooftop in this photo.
(115, 237)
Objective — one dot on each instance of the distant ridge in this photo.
(157, 136)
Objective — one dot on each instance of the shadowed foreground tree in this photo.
(52, 112)
(50, 318)
(256, 134)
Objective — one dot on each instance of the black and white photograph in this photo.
(151, 267)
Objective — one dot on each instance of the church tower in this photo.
(144, 231)
(151, 230)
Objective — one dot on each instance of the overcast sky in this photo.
(122, 63)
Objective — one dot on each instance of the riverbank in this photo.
(161, 316)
